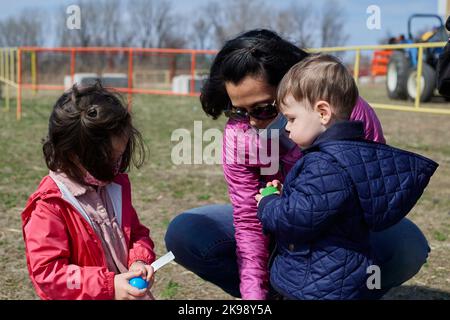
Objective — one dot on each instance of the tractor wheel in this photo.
(397, 75)
(427, 83)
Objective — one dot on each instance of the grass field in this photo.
(161, 189)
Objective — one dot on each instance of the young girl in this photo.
(82, 236)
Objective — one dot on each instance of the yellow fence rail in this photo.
(419, 46)
(8, 73)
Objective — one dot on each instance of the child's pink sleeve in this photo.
(141, 245)
(372, 126)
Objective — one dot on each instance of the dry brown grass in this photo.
(161, 190)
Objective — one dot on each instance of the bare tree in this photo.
(201, 33)
(155, 24)
(87, 35)
(141, 16)
(235, 16)
(332, 24)
(142, 23)
(102, 24)
(216, 18)
(176, 38)
(241, 15)
(114, 28)
(27, 29)
(298, 24)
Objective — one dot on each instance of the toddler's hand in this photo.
(258, 197)
(276, 183)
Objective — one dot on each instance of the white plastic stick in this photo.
(161, 262)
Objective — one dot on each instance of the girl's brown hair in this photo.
(81, 125)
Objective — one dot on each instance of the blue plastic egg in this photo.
(139, 283)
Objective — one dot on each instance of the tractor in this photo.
(402, 66)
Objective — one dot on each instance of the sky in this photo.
(393, 13)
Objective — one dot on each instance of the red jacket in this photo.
(65, 257)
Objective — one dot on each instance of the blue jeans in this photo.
(202, 240)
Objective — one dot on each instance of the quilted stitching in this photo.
(317, 208)
(390, 184)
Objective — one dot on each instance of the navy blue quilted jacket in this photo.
(340, 189)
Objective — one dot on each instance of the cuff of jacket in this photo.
(110, 285)
(144, 258)
(264, 201)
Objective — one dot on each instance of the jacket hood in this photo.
(389, 181)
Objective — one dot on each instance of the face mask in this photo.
(90, 179)
(279, 123)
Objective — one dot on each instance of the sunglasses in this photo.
(260, 112)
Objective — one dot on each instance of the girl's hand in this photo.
(148, 296)
(146, 271)
(123, 290)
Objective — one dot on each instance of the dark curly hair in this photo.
(258, 52)
(81, 125)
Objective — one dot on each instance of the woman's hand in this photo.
(123, 290)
